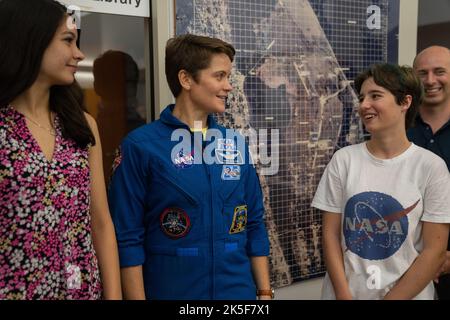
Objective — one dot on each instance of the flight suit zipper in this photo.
(212, 232)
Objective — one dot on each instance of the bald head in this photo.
(432, 65)
(437, 51)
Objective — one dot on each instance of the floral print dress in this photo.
(46, 249)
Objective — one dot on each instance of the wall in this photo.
(304, 290)
(434, 24)
(434, 12)
(409, 10)
(435, 34)
(163, 28)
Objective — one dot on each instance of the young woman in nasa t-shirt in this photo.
(386, 202)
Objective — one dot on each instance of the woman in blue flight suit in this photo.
(190, 226)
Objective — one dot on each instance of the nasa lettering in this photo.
(375, 225)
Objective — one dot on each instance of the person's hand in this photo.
(445, 268)
(264, 297)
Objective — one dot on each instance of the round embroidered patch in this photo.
(175, 223)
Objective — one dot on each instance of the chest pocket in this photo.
(166, 185)
(176, 211)
(231, 191)
(235, 210)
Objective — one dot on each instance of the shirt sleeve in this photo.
(329, 192)
(437, 194)
(257, 238)
(126, 200)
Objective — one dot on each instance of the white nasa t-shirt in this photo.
(383, 204)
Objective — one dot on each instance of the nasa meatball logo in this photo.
(375, 225)
(183, 160)
(175, 223)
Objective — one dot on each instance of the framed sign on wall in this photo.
(138, 8)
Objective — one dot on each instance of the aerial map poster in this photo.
(293, 87)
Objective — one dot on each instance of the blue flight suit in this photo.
(192, 226)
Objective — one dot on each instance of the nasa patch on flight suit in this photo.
(175, 223)
(231, 172)
(239, 220)
(183, 160)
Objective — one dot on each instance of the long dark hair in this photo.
(27, 28)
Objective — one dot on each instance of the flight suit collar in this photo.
(169, 119)
(224, 187)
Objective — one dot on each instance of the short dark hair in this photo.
(192, 53)
(398, 80)
(27, 28)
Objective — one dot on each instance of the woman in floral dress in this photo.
(57, 240)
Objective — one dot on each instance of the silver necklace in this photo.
(50, 130)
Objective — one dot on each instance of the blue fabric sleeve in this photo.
(257, 239)
(126, 201)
